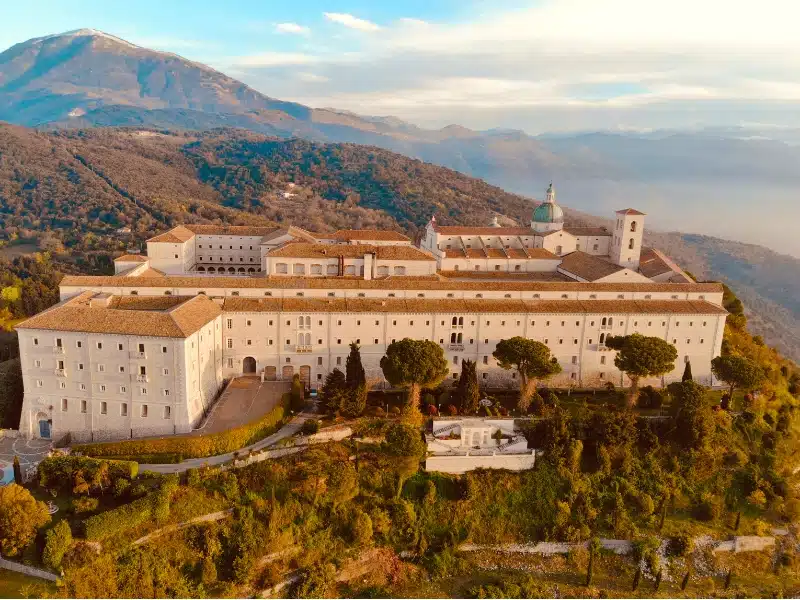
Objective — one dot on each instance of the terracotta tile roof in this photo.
(630, 211)
(391, 283)
(176, 235)
(150, 272)
(653, 262)
(296, 232)
(588, 231)
(476, 306)
(306, 250)
(145, 316)
(243, 230)
(502, 231)
(131, 258)
(588, 267)
(366, 235)
(493, 276)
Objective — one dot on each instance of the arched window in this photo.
(308, 339)
(630, 244)
(452, 338)
(460, 320)
(602, 338)
(300, 322)
(460, 338)
(455, 321)
(603, 322)
(633, 225)
(308, 321)
(610, 321)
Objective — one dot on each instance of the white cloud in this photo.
(274, 59)
(292, 28)
(351, 21)
(312, 78)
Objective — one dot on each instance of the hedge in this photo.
(154, 506)
(59, 470)
(194, 446)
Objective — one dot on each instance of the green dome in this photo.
(548, 212)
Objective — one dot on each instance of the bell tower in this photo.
(626, 242)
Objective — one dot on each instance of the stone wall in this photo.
(464, 463)
(26, 570)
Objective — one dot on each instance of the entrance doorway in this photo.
(287, 373)
(270, 373)
(249, 365)
(44, 428)
(305, 375)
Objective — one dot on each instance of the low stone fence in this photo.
(26, 570)
(328, 434)
(10, 434)
(267, 455)
(461, 463)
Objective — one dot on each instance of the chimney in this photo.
(101, 300)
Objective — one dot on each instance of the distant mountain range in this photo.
(738, 182)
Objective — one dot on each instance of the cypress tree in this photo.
(470, 393)
(17, 471)
(728, 579)
(658, 580)
(637, 578)
(687, 372)
(738, 520)
(685, 581)
(354, 370)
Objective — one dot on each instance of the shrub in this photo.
(503, 411)
(63, 471)
(113, 522)
(403, 440)
(432, 410)
(649, 397)
(138, 490)
(452, 410)
(194, 446)
(84, 504)
(361, 529)
(57, 542)
(310, 427)
(680, 545)
(193, 477)
(706, 509)
(121, 486)
(394, 410)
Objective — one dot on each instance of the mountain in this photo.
(75, 192)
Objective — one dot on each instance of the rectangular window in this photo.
(58, 343)
(249, 342)
(37, 363)
(141, 348)
(104, 408)
(39, 383)
(319, 361)
(82, 387)
(123, 409)
(166, 371)
(122, 389)
(230, 362)
(83, 406)
(64, 404)
(163, 349)
(101, 368)
(80, 366)
(338, 360)
(485, 375)
(602, 360)
(100, 346)
(35, 341)
(166, 392)
(574, 360)
(121, 369)
(486, 360)
(229, 343)
(119, 346)
(102, 388)
(62, 385)
(167, 412)
(230, 323)
(78, 344)
(144, 391)
(144, 410)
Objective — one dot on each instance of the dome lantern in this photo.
(548, 216)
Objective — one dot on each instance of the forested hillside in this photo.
(75, 193)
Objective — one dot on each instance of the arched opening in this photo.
(460, 320)
(201, 269)
(630, 244)
(270, 373)
(241, 270)
(231, 270)
(251, 270)
(452, 338)
(287, 372)
(308, 322)
(633, 225)
(212, 270)
(249, 365)
(603, 322)
(460, 338)
(610, 321)
(602, 338)
(455, 321)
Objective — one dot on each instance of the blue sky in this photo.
(537, 65)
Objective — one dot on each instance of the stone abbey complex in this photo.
(145, 351)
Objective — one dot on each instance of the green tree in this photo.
(694, 422)
(687, 372)
(642, 356)
(334, 391)
(354, 370)
(469, 392)
(297, 394)
(737, 372)
(20, 516)
(342, 482)
(532, 361)
(404, 442)
(594, 549)
(17, 471)
(57, 542)
(414, 364)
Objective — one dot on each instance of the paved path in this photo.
(30, 571)
(215, 516)
(284, 432)
(30, 452)
(244, 400)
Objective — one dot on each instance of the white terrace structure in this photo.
(458, 446)
(295, 301)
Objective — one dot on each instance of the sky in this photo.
(540, 66)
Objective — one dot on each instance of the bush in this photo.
(193, 477)
(706, 509)
(113, 522)
(394, 411)
(310, 427)
(84, 504)
(452, 410)
(57, 542)
(194, 446)
(649, 397)
(63, 471)
(432, 410)
(121, 486)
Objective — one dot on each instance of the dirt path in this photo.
(210, 517)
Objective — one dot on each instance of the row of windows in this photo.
(101, 368)
(221, 259)
(211, 247)
(166, 411)
(79, 344)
